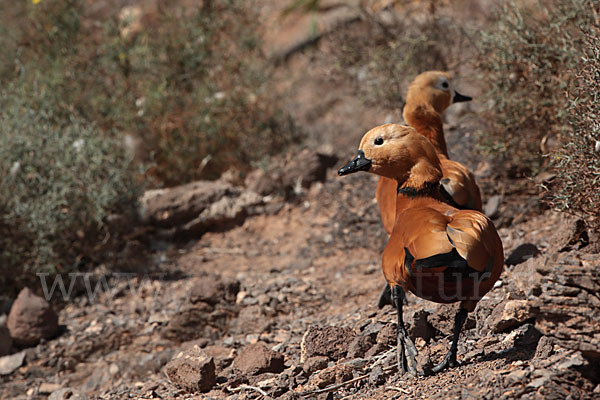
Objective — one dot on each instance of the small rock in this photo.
(377, 376)
(376, 349)
(538, 382)
(525, 279)
(214, 289)
(251, 319)
(516, 376)
(315, 363)
(222, 355)
(187, 324)
(527, 335)
(47, 388)
(492, 206)
(387, 335)
(257, 358)
(192, 370)
(372, 329)
(419, 326)
(333, 374)
(359, 346)
(5, 340)
(544, 349)
(8, 364)
(291, 173)
(330, 341)
(67, 394)
(31, 319)
(510, 314)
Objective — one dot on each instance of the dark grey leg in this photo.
(450, 359)
(406, 349)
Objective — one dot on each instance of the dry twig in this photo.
(248, 387)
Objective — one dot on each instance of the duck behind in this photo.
(428, 96)
(435, 251)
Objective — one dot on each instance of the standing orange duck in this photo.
(428, 96)
(435, 251)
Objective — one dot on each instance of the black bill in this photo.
(358, 163)
(460, 97)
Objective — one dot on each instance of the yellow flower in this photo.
(35, 1)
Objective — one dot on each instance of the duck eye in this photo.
(378, 141)
(445, 85)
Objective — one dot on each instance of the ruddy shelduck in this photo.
(428, 96)
(435, 251)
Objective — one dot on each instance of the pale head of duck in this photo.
(433, 88)
(397, 152)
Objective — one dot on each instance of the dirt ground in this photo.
(308, 263)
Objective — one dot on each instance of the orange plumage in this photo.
(435, 251)
(428, 97)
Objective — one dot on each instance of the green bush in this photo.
(61, 180)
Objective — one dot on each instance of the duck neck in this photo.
(428, 122)
(409, 195)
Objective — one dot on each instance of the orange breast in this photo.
(386, 200)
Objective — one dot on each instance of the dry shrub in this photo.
(61, 184)
(528, 55)
(578, 162)
(187, 80)
(543, 97)
(385, 50)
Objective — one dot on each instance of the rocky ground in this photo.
(283, 305)
(267, 288)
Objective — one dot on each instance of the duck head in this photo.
(434, 88)
(397, 152)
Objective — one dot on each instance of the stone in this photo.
(290, 174)
(31, 319)
(544, 348)
(510, 314)
(251, 319)
(222, 355)
(334, 374)
(192, 370)
(418, 325)
(213, 289)
(257, 358)
(315, 363)
(359, 346)
(569, 308)
(527, 335)
(330, 341)
(377, 376)
(8, 364)
(387, 335)
(525, 279)
(492, 206)
(197, 207)
(5, 341)
(48, 388)
(516, 376)
(67, 394)
(177, 205)
(226, 212)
